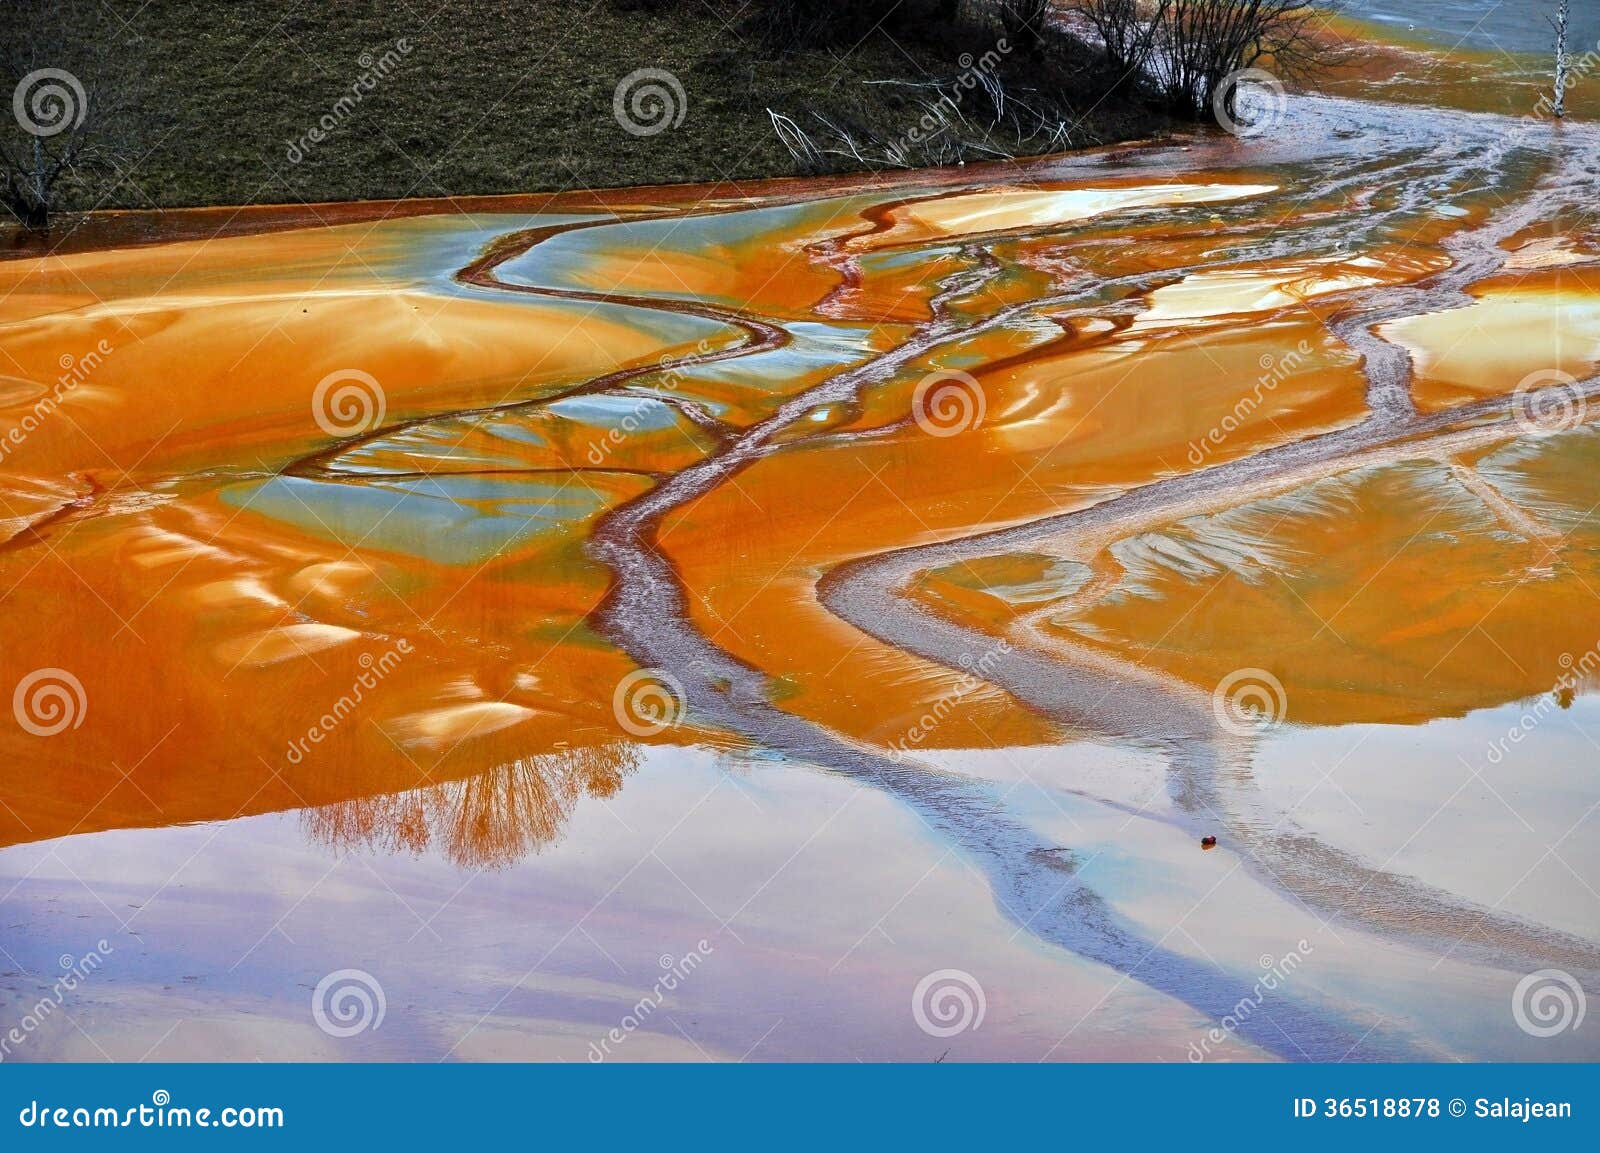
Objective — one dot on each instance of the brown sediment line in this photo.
(380, 474)
(138, 227)
(1080, 685)
(760, 336)
(1105, 693)
(32, 530)
(836, 254)
(645, 613)
(1475, 256)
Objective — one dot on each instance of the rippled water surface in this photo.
(856, 601)
(1502, 25)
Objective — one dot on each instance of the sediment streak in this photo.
(1034, 881)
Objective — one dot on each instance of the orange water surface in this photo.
(302, 519)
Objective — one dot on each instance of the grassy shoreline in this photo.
(109, 228)
(225, 103)
(273, 104)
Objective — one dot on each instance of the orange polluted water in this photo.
(1041, 509)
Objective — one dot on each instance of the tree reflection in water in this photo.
(488, 821)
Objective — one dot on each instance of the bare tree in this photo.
(1188, 50)
(1202, 43)
(1559, 108)
(68, 111)
(1127, 29)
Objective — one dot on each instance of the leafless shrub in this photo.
(1188, 48)
(68, 117)
(973, 116)
(1127, 29)
(1202, 42)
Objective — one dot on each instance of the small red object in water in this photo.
(1208, 842)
